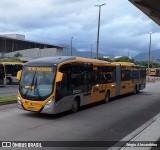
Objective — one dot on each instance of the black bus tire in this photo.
(135, 90)
(138, 89)
(106, 100)
(75, 106)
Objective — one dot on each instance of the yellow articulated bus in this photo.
(56, 84)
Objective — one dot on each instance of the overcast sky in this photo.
(123, 27)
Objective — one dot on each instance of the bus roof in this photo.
(128, 64)
(124, 63)
(9, 63)
(53, 61)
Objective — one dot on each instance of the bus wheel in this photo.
(106, 100)
(75, 106)
(135, 90)
(9, 81)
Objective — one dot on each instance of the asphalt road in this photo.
(100, 122)
(8, 90)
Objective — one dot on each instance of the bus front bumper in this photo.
(48, 108)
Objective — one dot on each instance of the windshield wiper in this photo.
(30, 85)
(36, 90)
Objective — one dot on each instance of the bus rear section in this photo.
(129, 78)
(2, 75)
(11, 69)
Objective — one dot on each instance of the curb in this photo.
(9, 102)
(139, 135)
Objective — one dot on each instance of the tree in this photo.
(125, 59)
(105, 59)
(151, 65)
(144, 63)
(18, 54)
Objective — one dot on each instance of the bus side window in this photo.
(72, 81)
(102, 78)
(108, 77)
(92, 79)
(64, 82)
(63, 85)
(62, 88)
(125, 74)
(106, 74)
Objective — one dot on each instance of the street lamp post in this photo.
(149, 53)
(71, 45)
(91, 51)
(98, 28)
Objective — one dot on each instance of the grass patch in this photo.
(8, 98)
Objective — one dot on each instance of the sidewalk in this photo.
(143, 138)
(149, 134)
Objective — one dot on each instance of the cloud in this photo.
(123, 27)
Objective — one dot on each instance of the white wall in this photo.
(37, 53)
(15, 36)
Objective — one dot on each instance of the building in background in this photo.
(13, 44)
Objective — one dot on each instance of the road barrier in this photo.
(152, 79)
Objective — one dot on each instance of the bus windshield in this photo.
(37, 82)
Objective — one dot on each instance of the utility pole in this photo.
(149, 53)
(152, 60)
(99, 18)
(91, 51)
(71, 45)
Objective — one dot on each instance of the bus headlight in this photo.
(19, 101)
(18, 98)
(49, 102)
(48, 108)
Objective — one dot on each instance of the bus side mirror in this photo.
(59, 76)
(19, 73)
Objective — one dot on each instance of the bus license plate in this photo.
(31, 108)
